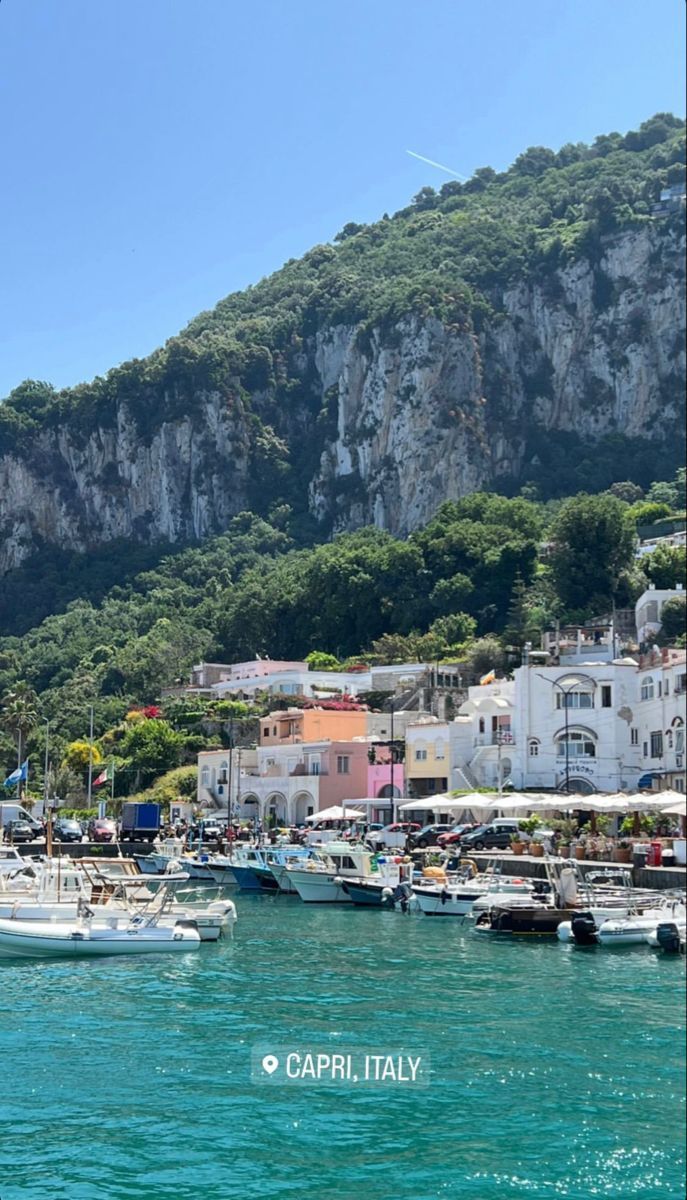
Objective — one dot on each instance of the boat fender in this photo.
(444, 896)
(567, 887)
(338, 881)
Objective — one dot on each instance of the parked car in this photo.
(427, 836)
(18, 831)
(498, 835)
(66, 830)
(212, 830)
(102, 829)
(393, 836)
(455, 835)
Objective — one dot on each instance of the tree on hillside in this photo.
(666, 566)
(628, 491)
(78, 754)
(594, 541)
(150, 747)
(20, 713)
(673, 617)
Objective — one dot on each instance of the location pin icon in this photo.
(270, 1063)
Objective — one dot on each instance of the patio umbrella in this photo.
(438, 803)
(336, 813)
(678, 809)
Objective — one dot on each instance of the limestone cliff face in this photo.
(421, 412)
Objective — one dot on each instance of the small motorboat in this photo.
(88, 938)
(635, 924)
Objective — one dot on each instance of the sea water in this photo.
(555, 1072)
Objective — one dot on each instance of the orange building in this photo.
(311, 725)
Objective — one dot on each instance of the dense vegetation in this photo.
(486, 574)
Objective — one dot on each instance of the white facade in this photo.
(483, 749)
(261, 782)
(649, 607)
(659, 726)
(572, 727)
(548, 728)
(296, 682)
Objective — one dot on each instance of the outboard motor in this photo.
(668, 937)
(584, 929)
(401, 896)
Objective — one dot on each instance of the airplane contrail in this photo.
(432, 163)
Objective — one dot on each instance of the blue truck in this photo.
(140, 822)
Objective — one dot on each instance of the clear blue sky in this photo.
(158, 154)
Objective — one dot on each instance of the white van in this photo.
(15, 812)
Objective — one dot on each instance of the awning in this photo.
(336, 813)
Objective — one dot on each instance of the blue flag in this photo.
(19, 776)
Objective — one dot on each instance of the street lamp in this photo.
(566, 687)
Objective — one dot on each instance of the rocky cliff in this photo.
(387, 420)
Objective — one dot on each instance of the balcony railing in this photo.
(494, 739)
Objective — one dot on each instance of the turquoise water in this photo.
(555, 1072)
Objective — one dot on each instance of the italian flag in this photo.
(103, 777)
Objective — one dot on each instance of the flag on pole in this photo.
(19, 776)
(102, 778)
(488, 678)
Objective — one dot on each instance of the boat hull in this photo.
(246, 879)
(368, 895)
(315, 887)
(41, 939)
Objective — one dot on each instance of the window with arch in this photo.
(648, 688)
(205, 777)
(679, 735)
(533, 748)
(577, 698)
(224, 772)
(579, 744)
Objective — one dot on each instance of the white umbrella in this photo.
(335, 813)
(679, 809)
(438, 804)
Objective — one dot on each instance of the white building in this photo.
(483, 749)
(549, 728)
(261, 782)
(572, 727)
(658, 729)
(649, 607)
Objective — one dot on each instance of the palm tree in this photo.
(19, 713)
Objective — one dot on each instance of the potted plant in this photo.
(565, 829)
(581, 843)
(529, 826)
(623, 851)
(516, 845)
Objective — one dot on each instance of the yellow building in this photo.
(427, 765)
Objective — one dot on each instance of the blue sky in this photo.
(158, 154)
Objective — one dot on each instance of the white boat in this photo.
(455, 896)
(57, 890)
(638, 928)
(87, 937)
(320, 880)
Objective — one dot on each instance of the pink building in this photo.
(380, 776)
